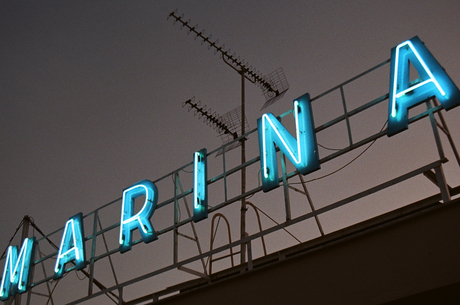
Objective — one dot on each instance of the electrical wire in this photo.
(11, 239)
(81, 279)
(17, 229)
(353, 160)
(328, 148)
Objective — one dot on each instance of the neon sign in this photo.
(200, 185)
(301, 150)
(432, 81)
(141, 220)
(72, 246)
(16, 274)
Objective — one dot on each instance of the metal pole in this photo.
(445, 129)
(311, 204)
(176, 218)
(347, 117)
(243, 171)
(93, 254)
(287, 203)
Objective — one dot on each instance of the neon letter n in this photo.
(301, 152)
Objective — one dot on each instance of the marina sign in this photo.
(300, 148)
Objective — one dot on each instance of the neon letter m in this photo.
(16, 273)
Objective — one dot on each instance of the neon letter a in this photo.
(72, 246)
(432, 81)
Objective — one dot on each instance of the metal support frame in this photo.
(445, 129)
(287, 203)
(93, 254)
(195, 238)
(213, 236)
(347, 118)
(310, 202)
(440, 179)
(176, 217)
(256, 210)
(434, 171)
(50, 294)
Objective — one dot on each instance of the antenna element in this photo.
(273, 86)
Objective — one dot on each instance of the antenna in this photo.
(273, 86)
(214, 119)
(234, 120)
(226, 125)
(278, 79)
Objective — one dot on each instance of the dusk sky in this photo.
(92, 91)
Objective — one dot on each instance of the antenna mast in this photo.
(273, 88)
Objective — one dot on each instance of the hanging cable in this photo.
(11, 239)
(328, 148)
(340, 168)
(353, 160)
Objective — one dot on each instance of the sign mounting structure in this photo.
(433, 82)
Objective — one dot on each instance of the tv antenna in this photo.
(273, 86)
(228, 125)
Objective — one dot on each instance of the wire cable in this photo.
(328, 148)
(353, 160)
(11, 239)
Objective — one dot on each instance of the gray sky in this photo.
(91, 92)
